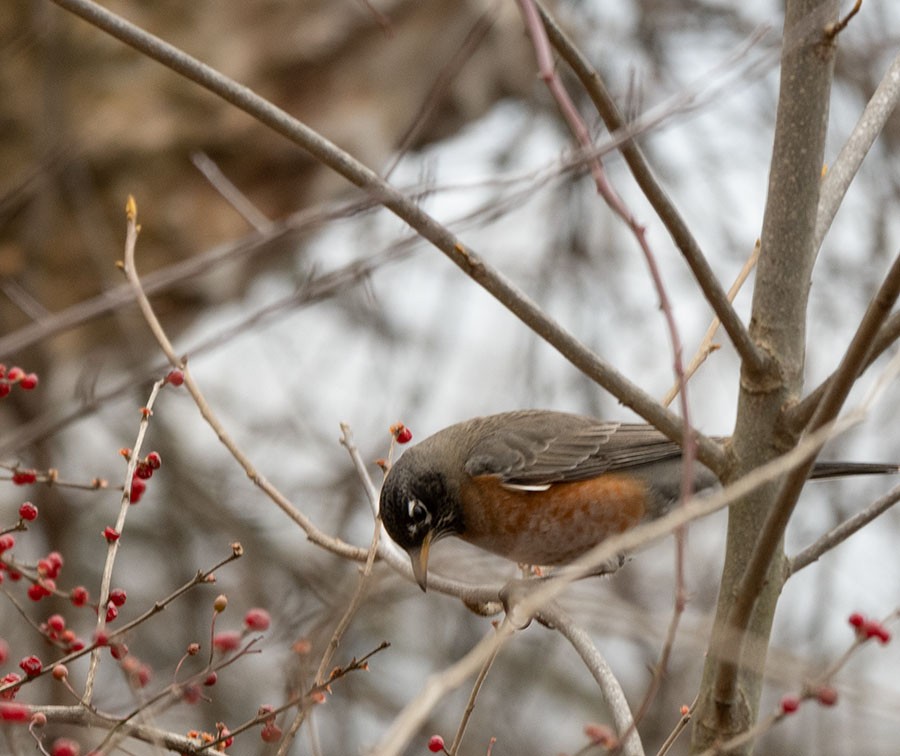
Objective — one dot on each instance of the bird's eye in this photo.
(418, 512)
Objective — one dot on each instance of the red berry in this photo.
(143, 471)
(101, 638)
(5, 388)
(856, 619)
(111, 612)
(50, 565)
(436, 744)
(31, 666)
(119, 651)
(29, 381)
(59, 672)
(271, 733)
(227, 641)
(211, 679)
(56, 622)
(401, 434)
(13, 712)
(76, 644)
(39, 719)
(79, 595)
(154, 460)
(9, 679)
(141, 675)
(224, 732)
(4, 651)
(137, 490)
(6, 542)
(28, 511)
(65, 747)
(111, 534)
(15, 374)
(192, 693)
(118, 596)
(36, 592)
(257, 619)
(874, 629)
(826, 695)
(24, 477)
(175, 377)
(790, 704)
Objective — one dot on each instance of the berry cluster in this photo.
(15, 376)
(867, 628)
(143, 471)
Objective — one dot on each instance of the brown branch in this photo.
(470, 704)
(770, 537)
(611, 689)
(665, 209)
(394, 200)
(112, 548)
(317, 536)
(336, 637)
(797, 417)
(843, 531)
(706, 343)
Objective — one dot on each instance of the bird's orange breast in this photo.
(552, 526)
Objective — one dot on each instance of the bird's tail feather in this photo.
(841, 469)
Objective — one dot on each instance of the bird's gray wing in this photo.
(540, 448)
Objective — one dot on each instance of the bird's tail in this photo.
(840, 469)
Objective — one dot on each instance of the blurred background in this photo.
(302, 306)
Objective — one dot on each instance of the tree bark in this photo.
(733, 675)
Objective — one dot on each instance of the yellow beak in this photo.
(419, 559)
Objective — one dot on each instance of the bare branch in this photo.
(770, 537)
(394, 200)
(320, 538)
(613, 695)
(656, 195)
(842, 532)
(868, 128)
(797, 417)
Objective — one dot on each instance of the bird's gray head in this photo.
(418, 507)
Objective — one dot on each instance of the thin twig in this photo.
(470, 704)
(618, 206)
(653, 191)
(317, 536)
(230, 193)
(500, 287)
(336, 637)
(611, 689)
(706, 344)
(121, 630)
(844, 169)
(679, 728)
(842, 532)
(112, 548)
(797, 417)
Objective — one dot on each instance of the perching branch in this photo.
(394, 200)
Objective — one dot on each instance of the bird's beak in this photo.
(419, 559)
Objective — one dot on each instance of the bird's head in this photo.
(418, 507)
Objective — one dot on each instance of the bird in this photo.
(540, 487)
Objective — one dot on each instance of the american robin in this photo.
(539, 487)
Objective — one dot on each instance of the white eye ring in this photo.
(418, 512)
